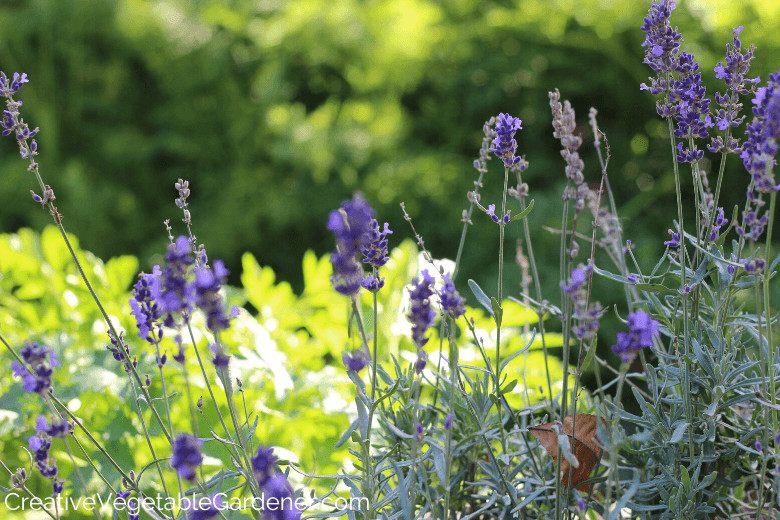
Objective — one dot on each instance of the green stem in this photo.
(683, 275)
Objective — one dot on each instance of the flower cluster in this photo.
(351, 224)
(39, 364)
(206, 507)
(421, 313)
(40, 445)
(12, 122)
(661, 55)
(207, 285)
(720, 221)
(692, 108)
(733, 74)
(118, 348)
(504, 144)
(564, 123)
(450, 299)
(642, 329)
(357, 360)
(684, 96)
(375, 254)
(674, 241)
(586, 315)
(275, 487)
(172, 290)
(760, 147)
(56, 429)
(147, 313)
(186, 455)
(491, 212)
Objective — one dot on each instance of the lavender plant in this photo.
(447, 432)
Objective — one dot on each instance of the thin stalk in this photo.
(764, 373)
(168, 416)
(148, 437)
(374, 356)
(721, 169)
(683, 275)
(102, 450)
(537, 284)
(206, 380)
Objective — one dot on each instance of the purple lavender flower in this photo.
(733, 73)
(206, 507)
(207, 285)
(40, 445)
(448, 422)
(264, 464)
(720, 221)
(491, 212)
(422, 360)
(279, 499)
(578, 277)
(421, 313)
(504, 145)
(451, 301)
(186, 455)
(179, 356)
(642, 328)
(419, 432)
(682, 97)
(373, 282)
(39, 362)
(356, 361)
(760, 147)
(147, 313)
(581, 505)
(661, 55)
(56, 429)
(586, 314)
(13, 123)
(352, 226)
(758, 446)
(172, 290)
(674, 241)
(754, 266)
(220, 359)
(730, 268)
(14, 85)
(375, 249)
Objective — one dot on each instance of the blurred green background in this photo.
(276, 111)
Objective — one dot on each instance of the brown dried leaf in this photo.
(584, 446)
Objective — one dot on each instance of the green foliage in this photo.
(277, 111)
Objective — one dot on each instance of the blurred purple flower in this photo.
(186, 456)
(421, 313)
(351, 224)
(642, 328)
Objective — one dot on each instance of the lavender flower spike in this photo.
(451, 301)
(351, 224)
(642, 329)
(421, 313)
(760, 148)
(504, 145)
(186, 455)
